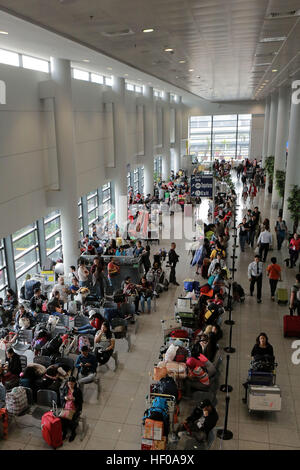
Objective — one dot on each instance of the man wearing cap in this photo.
(198, 425)
(93, 326)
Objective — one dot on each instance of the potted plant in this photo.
(280, 182)
(294, 205)
(269, 167)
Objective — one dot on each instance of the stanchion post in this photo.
(225, 387)
(230, 349)
(225, 434)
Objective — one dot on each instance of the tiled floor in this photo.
(115, 420)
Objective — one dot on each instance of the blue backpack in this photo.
(158, 412)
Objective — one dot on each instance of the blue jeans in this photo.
(113, 282)
(142, 299)
(84, 283)
(87, 329)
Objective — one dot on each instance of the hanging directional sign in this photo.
(202, 185)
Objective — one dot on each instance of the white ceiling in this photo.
(219, 39)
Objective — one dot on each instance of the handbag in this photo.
(67, 414)
(256, 251)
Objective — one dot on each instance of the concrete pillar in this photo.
(272, 124)
(166, 157)
(272, 134)
(292, 167)
(66, 159)
(148, 160)
(178, 134)
(266, 129)
(121, 151)
(282, 131)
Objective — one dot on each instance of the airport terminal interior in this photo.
(150, 225)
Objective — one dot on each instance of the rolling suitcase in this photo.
(262, 398)
(261, 378)
(187, 319)
(52, 429)
(291, 326)
(282, 296)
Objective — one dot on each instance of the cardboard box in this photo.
(160, 445)
(153, 429)
(146, 444)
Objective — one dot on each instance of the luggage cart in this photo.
(171, 400)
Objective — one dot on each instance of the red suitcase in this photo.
(291, 326)
(52, 430)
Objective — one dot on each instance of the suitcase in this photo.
(261, 398)
(261, 378)
(187, 319)
(52, 430)
(282, 296)
(291, 326)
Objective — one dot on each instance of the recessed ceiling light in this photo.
(274, 70)
(168, 49)
(263, 64)
(274, 39)
(191, 70)
(150, 30)
(109, 68)
(86, 60)
(182, 61)
(3, 32)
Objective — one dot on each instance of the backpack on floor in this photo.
(159, 411)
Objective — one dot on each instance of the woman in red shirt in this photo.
(294, 249)
(274, 274)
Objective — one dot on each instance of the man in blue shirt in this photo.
(86, 363)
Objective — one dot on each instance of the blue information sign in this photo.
(202, 185)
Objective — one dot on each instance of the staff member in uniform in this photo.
(255, 270)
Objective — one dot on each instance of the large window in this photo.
(220, 136)
(3, 273)
(106, 210)
(26, 252)
(92, 202)
(141, 180)
(80, 217)
(52, 226)
(136, 180)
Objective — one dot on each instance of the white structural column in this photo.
(66, 198)
(272, 133)
(272, 124)
(166, 157)
(292, 167)
(119, 173)
(149, 139)
(266, 129)
(282, 131)
(178, 134)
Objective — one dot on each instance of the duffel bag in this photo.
(179, 333)
(16, 401)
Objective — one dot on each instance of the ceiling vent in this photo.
(276, 15)
(115, 34)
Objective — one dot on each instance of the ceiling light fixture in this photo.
(3, 32)
(274, 70)
(125, 74)
(274, 39)
(168, 49)
(109, 68)
(263, 64)
(86, 60)
(149, 30)
(191, 70)
(182, 61)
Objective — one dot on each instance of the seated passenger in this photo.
(36, 304)
(12, 369)
(23, 320)
(71, 401)
(96, 321)
(62, 289)
(198, 425)
(55, 305)
(86, 363)
(197, 378)
(104, 344)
